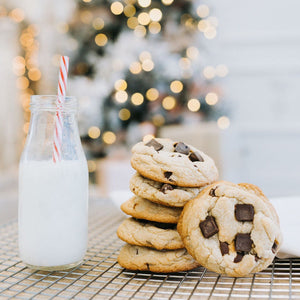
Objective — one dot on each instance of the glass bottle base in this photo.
(55, 268)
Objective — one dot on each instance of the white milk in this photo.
(53, 212)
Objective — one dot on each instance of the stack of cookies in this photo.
(169, 174)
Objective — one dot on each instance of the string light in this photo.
(121, 85)
(116, 8)
(148, 137)
(98, 23)
(86, 17)
(152, 94)
(135, 67)
(192, 52)
(132, 22)
(210, 33)
(144, 18)
(158, 120)
(121, 96)
(34, 74)
(109, 137)
(91, 164)
(100, 39)
(124, 114)
(147, 65)
(154, 27)
(144, 3)
(223, 122)
(169, 102)
(129, 10)
(137, 99)
(221, 70)
(184, 63)
(22, 83)
(167, 2)
(155, 14)
(17, 15)
(193, 105)
(211, 98)
(209, 72)
(144, 56)
(94, 132)
(203, 11)
(87, 1)
(176, 86)
(140, 31)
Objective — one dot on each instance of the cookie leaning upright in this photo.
(231, 229)
(176, 163)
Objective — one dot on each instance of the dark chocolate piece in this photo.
(256, 258)
(136, 251)
(195, 156)
(224, 248)
(212, 192)
(244, 212)
(148, 266)
(168, 174)
(182, 148)
(209, 227)
(243, 242)
(155, 144)
(274, 247)
(239, 257)
(164, 225)
(166, 187)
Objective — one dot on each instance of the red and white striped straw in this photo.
(62, 88)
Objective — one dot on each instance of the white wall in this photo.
(259, 41)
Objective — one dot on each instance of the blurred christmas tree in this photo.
(140, 65)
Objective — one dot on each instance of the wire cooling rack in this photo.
(100, 276)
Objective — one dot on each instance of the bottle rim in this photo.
(49, 102)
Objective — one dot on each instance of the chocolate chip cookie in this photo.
(150, 234)
(175, 163)
(141, 208)
(231, 229)
(146, 259)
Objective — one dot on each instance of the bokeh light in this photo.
(101, 39)
(94, 132)
(152, 94)
(209, 72)
(193, 105)
(221, 70)
(203, 11)
(169, 102)
(155, 14)
(192, 52)
(124, 114)
(121, 85)
(223, 122)
(91, 166)
(98, 23)
(109, 137)
(158, 120)
(135, 67)
(144, 3)
(137, 99)
(147, 65)
(116, 8)
(176, 86)
(148, 137)
(144, 18)
(154, 27)
(211, 98)
(167, 2)
(121, 96)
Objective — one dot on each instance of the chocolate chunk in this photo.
(182, 148)
(166, 187)
(209, 227)
(274, 247)
(168, 174)
(239, 257)
(243, 242)
(244, 212)
(156, 145)
(212, 192)
(224, 248)
(148, 266)
(137, 251)
(164, 225)
(195, 156)
(256, 258)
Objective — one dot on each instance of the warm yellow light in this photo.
(26, 39)
(221, 70)
(152, 94)
(167, 2)
(145, 55)
(155, 14)
(176, 86)
(109, 137)
(223, 122)
(22, 83)
(124, 114)
(169, 102)
(34, 74)
(19, 69)
(209, 72)
(87, 1)
(137, 99)
(132, 22)
(193, 105)
(116, 8)
(158, 120)
(148, 137)
(121, 85)
(91, 164)
(144, 18)
(211, 98)
(121, 96)
(94, 132)
(144, 3)
(192, 52)
(203, 25)
(154, 27)
(147, 65)
(210, 33)
(86, 17)
(17, 15)
(140, 31)
(135, 67)
(184, 63)
(98, 23)
(129, 10)
(19, 60)
(101, 39)
(3, 11)
(203, 11)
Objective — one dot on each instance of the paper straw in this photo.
(62, 87)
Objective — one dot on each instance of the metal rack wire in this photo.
(100, 276)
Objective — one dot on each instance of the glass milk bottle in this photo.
(53, 197)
